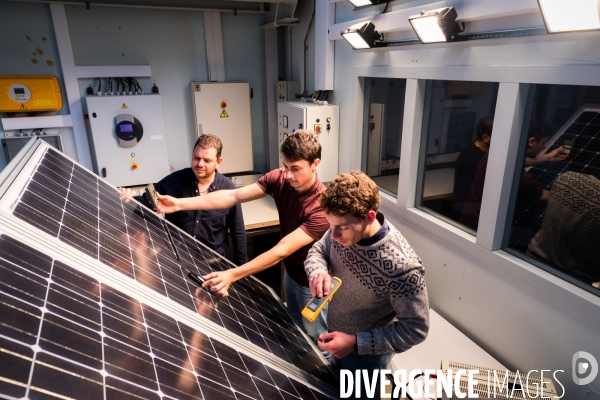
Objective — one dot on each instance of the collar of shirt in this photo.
(211, 188)
(381, 233)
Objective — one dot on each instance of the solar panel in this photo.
(583, 129)
(65, 334)
(72, 211)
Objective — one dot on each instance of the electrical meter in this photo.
(22, 93)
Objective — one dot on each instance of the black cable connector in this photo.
(89, 90)
(155, 89)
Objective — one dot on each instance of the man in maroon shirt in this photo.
(296, 190)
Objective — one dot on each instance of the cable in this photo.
(386, 6)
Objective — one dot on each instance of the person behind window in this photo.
(531, 193)
(469, 171)
(209, 227)
(382, 306)
(568, 238)
(468, 160)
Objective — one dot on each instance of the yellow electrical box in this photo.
(29, 93)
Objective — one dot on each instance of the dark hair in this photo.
(484, 126)
(538, 128)
(301, 145)
(210, 141)
(352, 193)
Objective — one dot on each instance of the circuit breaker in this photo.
(127, 138)
(321, 119)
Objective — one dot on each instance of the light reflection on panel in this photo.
(67, 335)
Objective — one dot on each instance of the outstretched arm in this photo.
(554, 155)
(219, 281)
(213, 201)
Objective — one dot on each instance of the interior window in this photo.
(384, 112)
(457, 130)
(554, 219)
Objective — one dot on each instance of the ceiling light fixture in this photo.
(437, 25)
(365, 3)
(569, 16)
(362, 35)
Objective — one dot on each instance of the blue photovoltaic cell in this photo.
(64, 334)
(72, 204)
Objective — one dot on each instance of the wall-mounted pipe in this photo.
(304, 94)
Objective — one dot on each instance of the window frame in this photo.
(513, 89)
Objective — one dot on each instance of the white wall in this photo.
(524, 316)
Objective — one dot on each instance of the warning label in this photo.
(43, 103)
(224, 114)
(124, 105)
(25, 108)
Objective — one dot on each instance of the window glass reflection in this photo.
(555, 210)
(457, 131)
(384, 112)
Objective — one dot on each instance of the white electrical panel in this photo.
(223, 109)
(287, 90)
(128, 138)
(321, 119)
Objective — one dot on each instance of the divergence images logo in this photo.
(584, 364)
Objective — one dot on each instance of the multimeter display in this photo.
(316, 302)
(19, 90)
(315, 305)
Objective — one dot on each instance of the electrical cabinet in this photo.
(321, 119)
(286, 90)
(223, 109)
(127, 138)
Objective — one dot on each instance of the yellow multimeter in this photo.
(315, 305)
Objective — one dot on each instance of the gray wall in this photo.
(171, 42)
(19, 21)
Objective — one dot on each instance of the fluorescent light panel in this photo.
(428, 29)
(356, 40)
(360, 3)
(570, 15)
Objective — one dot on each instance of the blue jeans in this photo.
(297, 297)
(370, 362)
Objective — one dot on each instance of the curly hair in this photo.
(301, 145)
(208, 142)
(351, 193)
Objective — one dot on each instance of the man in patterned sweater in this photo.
(382, 306)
